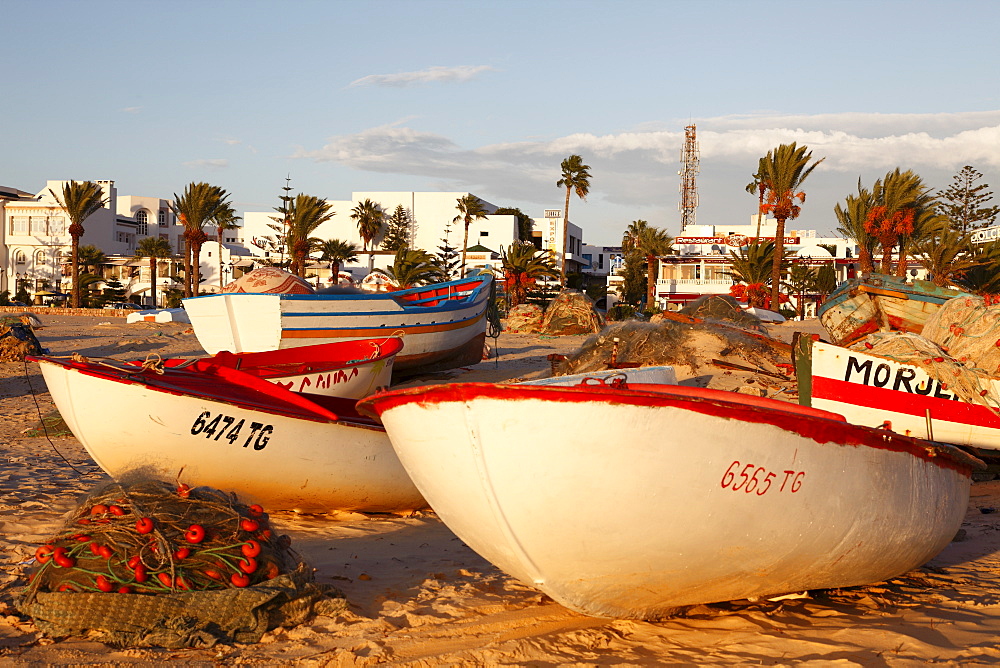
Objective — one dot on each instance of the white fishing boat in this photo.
(873, 390)
(443, 325)
(348, 369)
(216, 425)
(632, 502)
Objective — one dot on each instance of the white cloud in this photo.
(208, 163)
(435, 74)
(638, 169)
(132, 110)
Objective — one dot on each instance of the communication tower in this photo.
(689, 172)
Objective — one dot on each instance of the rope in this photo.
(494, 326)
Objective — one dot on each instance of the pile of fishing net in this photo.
(695, 344)
(524, 318)
(724, 308)
(968, 329)
(17, 337)
(150, 564)
(572, 312)
(958, 376)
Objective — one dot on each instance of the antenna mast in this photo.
(689, 188)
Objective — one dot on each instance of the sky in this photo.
(489, 97)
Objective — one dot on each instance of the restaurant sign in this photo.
(734, 240)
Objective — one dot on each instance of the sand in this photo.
(418, 596)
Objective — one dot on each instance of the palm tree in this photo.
(91, 259)
(946, 255)
(523, 265)
(650, 242)
(758, 187)
(80, 199)
(337, 252)
(225, 219)
(984, 277)
(898, 200)
(469, 208)
(753, 267)
(852, 217)
(153, 248)
(414, 267)
(198, 205)
(575, 178)
(785, 168)
(369, 217)
(305, 214)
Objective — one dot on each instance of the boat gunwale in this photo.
(279, 401)
(816, 424)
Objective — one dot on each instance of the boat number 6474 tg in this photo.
(757, 480)
(232, 430)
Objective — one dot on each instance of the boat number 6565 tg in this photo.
(227, 427)
(757, 480)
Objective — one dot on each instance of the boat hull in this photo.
(632, 503)
(879, 303)
(287, 462)
(873, 390)
(445, 330)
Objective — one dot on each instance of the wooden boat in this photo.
(877, 302)
(873, 390)
(632, 501)
(215, 425)
(348, 369)
(443, 325)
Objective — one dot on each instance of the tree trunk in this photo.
(187, 265)
(220, 259)
(565, 236)
(75, 299)
(885, 267)
(650, 281)
(465, 246)
(335, 272)
(195, 268)
(779, 252)
(866, 260)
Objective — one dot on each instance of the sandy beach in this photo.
(418, 596)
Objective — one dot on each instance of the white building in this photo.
(430, 214)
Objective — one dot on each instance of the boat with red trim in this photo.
(631, 501)
(348, 369)
(443, 325)
(875, 390)
(880, 303)
(225, 428)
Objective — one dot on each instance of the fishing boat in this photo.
(880, 303)
(632, 501)
(874, 390)
(212, 424)
(443, 325)
(348, 369)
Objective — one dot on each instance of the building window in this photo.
(142, 218)
(57, 226)
(484, 234)
(39, 226)
(20, 257)
(39, 258)
(19, 225)
(162, 218)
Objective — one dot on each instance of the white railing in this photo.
(694, 281)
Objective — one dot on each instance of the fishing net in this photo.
(17, 339)
(695, 345)
(572, 312)
(723, 307)
(958, 377)
(146, 564)
(968, 329)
